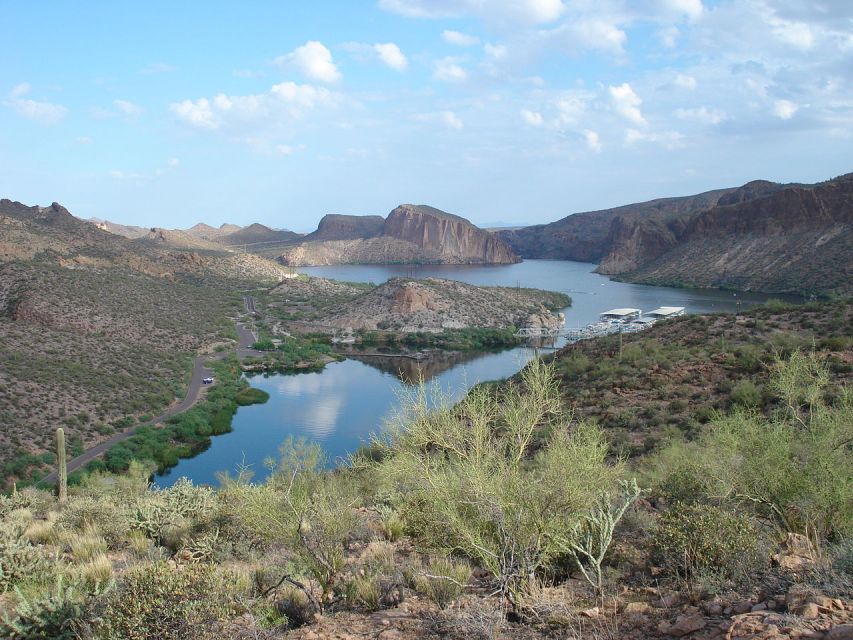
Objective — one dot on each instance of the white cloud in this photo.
(533, 118)
(127, 108)
(173, 162)
(669, 36)
(785, 109)
(529, 11)
(593, 140)
(391, 55)
(314, 61)
(703, 115)
(284, 101)
(685, 82)
(41, 112)
(495, 51)
(157, 67)
(627, 103)
(445, 118)
(459, 39)
(447, 70)
(691, 9)
(797, 34)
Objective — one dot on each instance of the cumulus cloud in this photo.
(447, 119)
(785, 109)
(593, 140)
(626, 103)
(459, 39)
(288, 150)
(691, 9)
(314, 61)
(287, 100)
(533, 118)
(41, 112)
(447, 70)
(391, 55)
(495, 51)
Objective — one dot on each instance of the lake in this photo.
(342, 405)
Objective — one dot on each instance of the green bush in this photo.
(694, 537)
(156, 602)
(19, 559)
(443, 581)
(248, 395)
(746, 394)
(56, 615)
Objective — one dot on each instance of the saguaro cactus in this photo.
(62, 474)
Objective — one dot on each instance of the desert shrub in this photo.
(85, 546)
(55, 615)
(442, 581)
(469, 477)
(168, 513)
(154, 602)
(248, 395)
(103, 513)
(97, 572)
(19, 559)
(792, 469)
(693, 537)
(746, 394)
(304, 507)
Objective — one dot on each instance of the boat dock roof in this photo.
(666, 311)
(621, 313)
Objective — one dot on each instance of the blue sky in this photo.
(523, 111)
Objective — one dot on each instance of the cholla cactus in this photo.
(200, 548)
(18, 558)
(53, 615)
(189, 501)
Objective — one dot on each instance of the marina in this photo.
(621, 320)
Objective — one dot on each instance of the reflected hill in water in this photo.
(412, 371)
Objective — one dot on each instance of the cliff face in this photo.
(410, 234)
(791, 239)
(452, 237)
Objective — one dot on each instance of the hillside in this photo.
(206, 232)
(97, 330)
(504, 517)
(764, 236)
(434, 305)
(410, 234)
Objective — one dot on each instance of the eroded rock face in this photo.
(410, 234)
(452, 237)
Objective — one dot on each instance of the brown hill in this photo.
(258, 233)
(410, 234)
(206, 232)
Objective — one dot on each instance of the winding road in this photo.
(245, 341)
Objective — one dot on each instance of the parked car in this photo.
(207, 380)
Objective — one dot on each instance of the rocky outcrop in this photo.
(411, 234)
(433, 305)
(452, 237)
(341, 227)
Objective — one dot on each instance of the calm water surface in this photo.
(342, 405)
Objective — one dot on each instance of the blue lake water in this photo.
(342, 405)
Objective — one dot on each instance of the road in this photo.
(246, 340)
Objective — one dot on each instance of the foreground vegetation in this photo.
(503, 516)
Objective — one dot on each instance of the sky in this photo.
(503, 111)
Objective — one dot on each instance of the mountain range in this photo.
(762, 236)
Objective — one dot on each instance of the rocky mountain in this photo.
(256, 234)
(206, 232)
(128, 231)
(783, 238)
(410, 234)
(433, 305)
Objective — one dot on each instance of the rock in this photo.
(637, 607)
(809, 611)
(594, 612)
(742, 607)
(686, 623)
(841, 632)
(670, 599)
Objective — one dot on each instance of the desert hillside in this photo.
(434, 305)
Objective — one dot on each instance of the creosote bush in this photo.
(694, 537)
